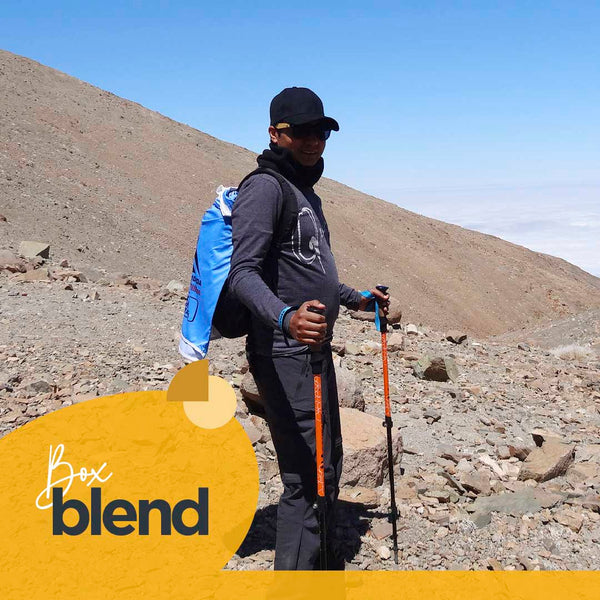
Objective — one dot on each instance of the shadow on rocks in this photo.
(353, 521)
(261, 535)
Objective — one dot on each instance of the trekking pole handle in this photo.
(382, 318)
(314, 309)
(316, 358)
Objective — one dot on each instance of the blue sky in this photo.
(485, 114)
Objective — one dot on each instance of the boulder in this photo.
(33, 249)
(349, 389)
(352, 348)
(549, 461)
(360, 495)
(591, 502)
(520, 452)
(411, 329)
(175, 287)
(34, 386)
(119, 279)
(365, 449)
(405, 490)
(394, 313)
(477, 483)
(68, 275)
(492, 464)
(431, 415)
(338, 348)
(252, 431)
(515, 504)
(435, 369)
(35, 275)
(382, 530)
(450, 453)
(251, 396)
(587, 473)
(569, 518)
(370, 348)
(11, 262)
(395, 342)
(589, 452)
(147, 283)
(93, 275)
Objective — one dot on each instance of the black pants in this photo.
(285, 384)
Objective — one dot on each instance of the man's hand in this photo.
(308, 327)
(383, 300)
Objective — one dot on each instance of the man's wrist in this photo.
(285, 316)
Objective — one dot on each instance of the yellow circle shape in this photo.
(218, 410)
(136, 448)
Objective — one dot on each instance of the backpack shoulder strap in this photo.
(289, 210)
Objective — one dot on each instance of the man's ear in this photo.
(273, 134)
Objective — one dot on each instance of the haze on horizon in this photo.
(483, 116)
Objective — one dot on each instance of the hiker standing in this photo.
(278, 277)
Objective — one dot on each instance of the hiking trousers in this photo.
(285, 384)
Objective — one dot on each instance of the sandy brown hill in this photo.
(110, 183)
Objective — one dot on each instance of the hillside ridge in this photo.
(111, 184)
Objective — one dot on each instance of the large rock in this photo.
(395, 342)
(33, 249)
(175, 287)
(370, 348)
(587, 473)
(549, 461)
(251, 396)
(34, 386)
(436, 369)
(589, 452)
(394, 314)
(365, 449)
(479, 483)
(360, 495)
(529, 500)
(11, 262)
(34, 275)
(252, 431)
(349, 389)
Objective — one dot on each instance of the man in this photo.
(278, 280)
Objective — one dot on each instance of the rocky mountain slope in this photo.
(122, 188)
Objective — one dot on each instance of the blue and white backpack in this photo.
(211, 309)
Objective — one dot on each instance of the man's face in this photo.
(306, 149)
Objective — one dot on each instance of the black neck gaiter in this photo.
(281, 160)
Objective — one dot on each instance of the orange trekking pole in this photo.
(382, 326)
(316, 363)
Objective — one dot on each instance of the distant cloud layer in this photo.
(563, 221)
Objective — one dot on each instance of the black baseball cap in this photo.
(297, 106)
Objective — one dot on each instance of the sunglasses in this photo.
(303, 131)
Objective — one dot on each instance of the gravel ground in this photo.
(464, 440)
